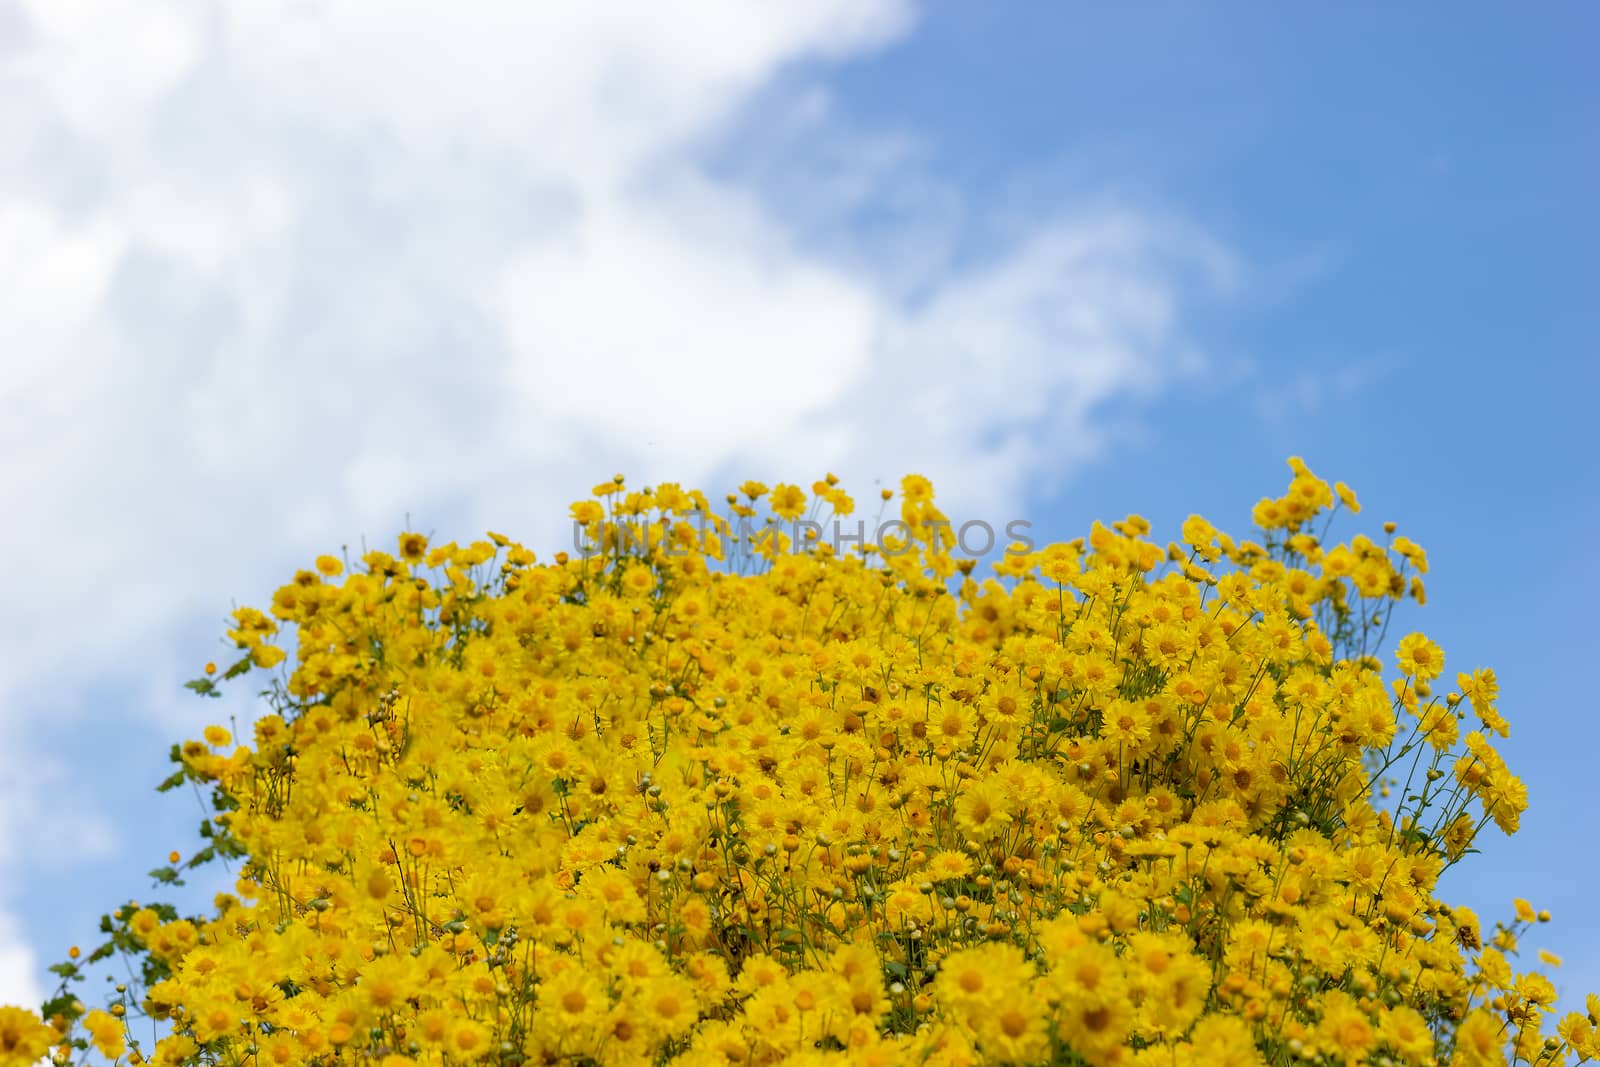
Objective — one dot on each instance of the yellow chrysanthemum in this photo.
(661, 801)
(24, 1037)
(1419, 658)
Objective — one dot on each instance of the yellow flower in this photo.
(1405, 1030)
(1346, 1031)
(788, 501)
(1412, 552)
(1536, 989)
(625, 1039)
(976, 981)
(24, 1038)
(666, 1005)
(1016, 1032)
(1479, 1041)
(1483, 690)
(1127, 724)
(267, 656)
(1096, 1024)
(646, 802)
(1198, 532)
(1419, 658)
(468, 1039)
(915, 490)
(1438, 725)
(413, 546)
(948, 864)
(587, 513)
(107, 1034)
(387, 982)
(1347, 497)
(571, 1004)
(983, 810)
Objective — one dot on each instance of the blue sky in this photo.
(276, 285)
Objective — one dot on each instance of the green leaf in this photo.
(65, 970)
(203, 686)
(239, 668)
(166, 876)
(64, 1005)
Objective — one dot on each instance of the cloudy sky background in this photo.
(274, 277)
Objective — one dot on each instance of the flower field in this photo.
(692, 799)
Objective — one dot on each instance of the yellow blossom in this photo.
(657, 802)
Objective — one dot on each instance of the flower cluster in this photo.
(1119, 804)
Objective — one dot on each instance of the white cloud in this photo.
(277, 274)
(18, 981)
(1306, 393)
